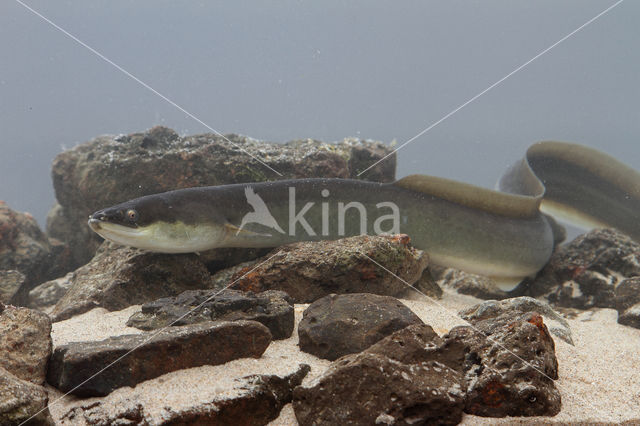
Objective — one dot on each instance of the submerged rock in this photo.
(132, 359)
(111, 169)
(467, 283)
(308, 271)
(425, 286)
(371, 388)
(627, 297)
(25, 343)
(584, 273)
(509, 367)
(45, 296)
(272, 308)
(20, 400)
(338, 325)
(514, 307)
(10, 281)
(500, 367)
(120, 277)
(251, 400)
(25, 248)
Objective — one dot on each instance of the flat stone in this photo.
(516, 306)
(338, 325)
(25, 343)
(20, 400)
(118, 277)
(152, 354)
(272, 308)
(308, 271)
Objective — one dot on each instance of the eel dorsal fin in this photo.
(501, 203)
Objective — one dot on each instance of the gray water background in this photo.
(326, 70)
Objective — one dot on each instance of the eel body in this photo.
(505, 234)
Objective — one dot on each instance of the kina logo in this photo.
(260, 214)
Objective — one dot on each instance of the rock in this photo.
(45, 296)
(338, 325)
(222, 263)
(118, 277)
(272, 308)
(496, 382)
(584, 273)
(25, 343)
(260, 401)
(252, 400)
(369, 388)
(419, 343)
(10, 282)
(308, 271)
(25, 248)
(508, 373)
(511, 308)
(224, 277)
(112, 169)
(466, 283)
(511, 372)
(20, 400)
(426, 286)
(631, 316)
(627, 299)
(74, 366)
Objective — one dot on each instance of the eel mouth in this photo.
(108, 229)
(95, 224)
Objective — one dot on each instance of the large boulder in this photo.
(111, 169)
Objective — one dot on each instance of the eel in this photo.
(506, 234)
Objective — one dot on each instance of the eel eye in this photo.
(132, 215)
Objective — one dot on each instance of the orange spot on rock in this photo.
(536, 319)
(493, 393)
(403, 239)
(577, 270)
(368, 272)
(249, 282)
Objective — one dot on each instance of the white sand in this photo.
(599, 376)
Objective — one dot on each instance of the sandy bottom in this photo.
(599, 376)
